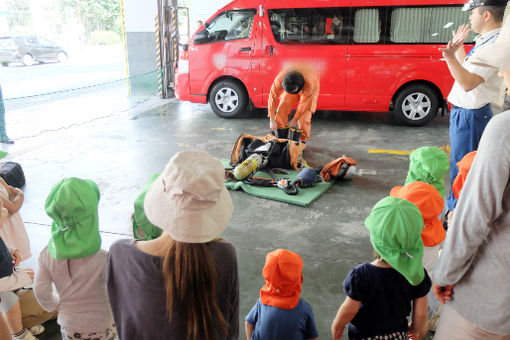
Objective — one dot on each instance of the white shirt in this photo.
(81, 297)
(486, 92)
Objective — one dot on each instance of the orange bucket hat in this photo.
(464, 165)
(429, 201)
(283, 275)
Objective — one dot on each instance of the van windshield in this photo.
(230, 25)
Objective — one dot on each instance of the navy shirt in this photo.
(273, 323)
(385, 297)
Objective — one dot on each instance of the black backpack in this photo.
(12, 173)
(280, 153)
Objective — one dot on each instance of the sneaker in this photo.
(37, 329)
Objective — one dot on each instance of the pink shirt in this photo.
(13, 231)
(81, 295)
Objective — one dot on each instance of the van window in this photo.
(426, 24)
(230, 25)
(310, 25)
(367, 26)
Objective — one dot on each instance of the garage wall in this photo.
(140, 41)
(141, 46)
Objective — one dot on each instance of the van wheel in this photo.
(228, 99)
(416, 105)
(28, 60)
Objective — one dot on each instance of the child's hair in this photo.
(377, 256)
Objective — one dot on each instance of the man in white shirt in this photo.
(475, 86)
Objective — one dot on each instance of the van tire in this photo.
(415, 105)
(228, 99)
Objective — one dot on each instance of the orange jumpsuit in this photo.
(307, 99)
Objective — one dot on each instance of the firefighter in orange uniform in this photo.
(300, 85)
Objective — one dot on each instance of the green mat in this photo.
(304, 197)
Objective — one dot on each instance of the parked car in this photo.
(29, 50)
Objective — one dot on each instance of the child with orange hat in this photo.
(379, 293)
(279, 312)
(463, 165)
(430, 203)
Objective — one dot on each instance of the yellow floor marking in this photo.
(220, 129)
(445, 148)
(391, 152)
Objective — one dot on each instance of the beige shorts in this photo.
(453, 326)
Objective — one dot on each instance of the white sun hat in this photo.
(189, 199)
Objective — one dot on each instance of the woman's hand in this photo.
(443, 294)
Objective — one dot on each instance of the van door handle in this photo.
(270, 49)
(245, 49)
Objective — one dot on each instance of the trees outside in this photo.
(97, 17)
(18, 15)
(95, 21)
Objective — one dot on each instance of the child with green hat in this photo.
(75, 263)
(143, 229)
(428, 164)
(379, 294)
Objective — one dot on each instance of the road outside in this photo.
(87, 65)
(54, 96)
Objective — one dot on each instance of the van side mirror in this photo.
(201, 37)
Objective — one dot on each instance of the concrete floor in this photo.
(122, 151)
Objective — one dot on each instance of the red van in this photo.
(372, 55)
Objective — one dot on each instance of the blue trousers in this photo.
(466, 128)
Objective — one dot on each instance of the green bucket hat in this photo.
(72, 205)
(428, 164)
(143, 229)
(395, 232)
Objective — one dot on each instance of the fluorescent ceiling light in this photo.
(450, 24)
